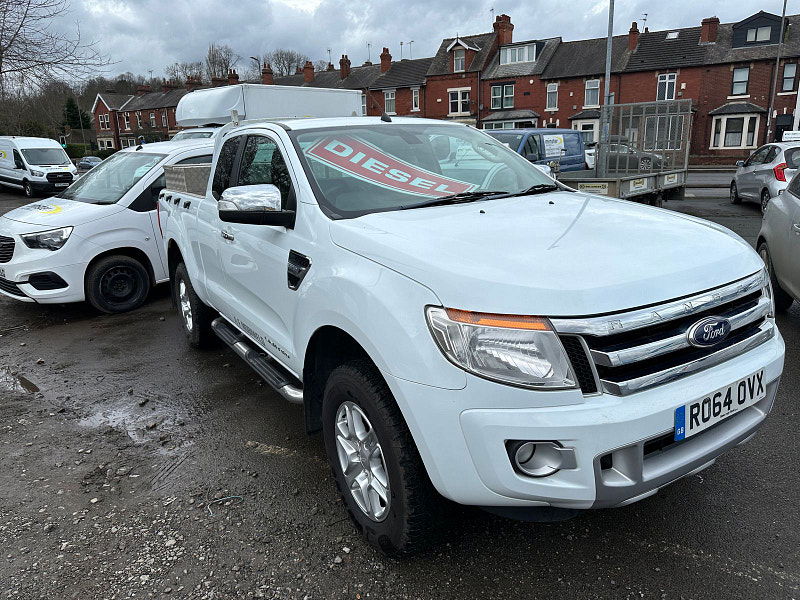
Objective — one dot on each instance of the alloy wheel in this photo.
(362, 462)
(185, 304)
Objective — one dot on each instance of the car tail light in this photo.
(779, 171)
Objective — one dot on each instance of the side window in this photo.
(757, 157)
(18, 160)
(225, 165)
(773, 152)
(531, 148)
(262, 162)
(196, 160)
(572, 144)
(148, 199)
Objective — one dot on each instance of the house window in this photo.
(414, 99)
(740, 77)
(502, 96)
(152, 119)
(588, 129)
(139, 120)
(672, 35)
(552, 96)
(388, 102)
(735, 131)
(591, 95)
(164, 119)
(102, 121)
(459, 56)
(789, 71)
(127, 118)
(666, 86)
(363, 105)
(517, 54)
(759, 34)
(459, 102)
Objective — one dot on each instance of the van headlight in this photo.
(37, 173)
(517, 350)
(52, 239)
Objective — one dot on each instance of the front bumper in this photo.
(462, 434)
(47, 186)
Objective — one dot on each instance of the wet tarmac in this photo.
(134, 467)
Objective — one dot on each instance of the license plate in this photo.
(62, 184)
(694, 417)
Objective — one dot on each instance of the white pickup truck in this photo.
(458, 325)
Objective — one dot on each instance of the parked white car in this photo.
(779, 244)
(99, 239)
(34, 165)
(764, 174)
(478, 331)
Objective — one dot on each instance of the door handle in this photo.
(226, 236)
(796, 228)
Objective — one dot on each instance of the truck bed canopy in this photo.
(251, 101)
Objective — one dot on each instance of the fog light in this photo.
(536, 459)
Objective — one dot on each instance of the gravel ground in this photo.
(134, 467)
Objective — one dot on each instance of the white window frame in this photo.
(593, 126)
(517, 54)
(138, 119)
(746, 81)
(363, 105)
(126, 117)
(390, 96)
(460, 92)
(502, 96)
(669, 81)
(784, 77)
(758, 34)
(552, 88)
(459, 60)
(591, 84)
(723, 121)
(152, 119)
(415, 99)
(164, 121)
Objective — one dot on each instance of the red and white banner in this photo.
(369, 163)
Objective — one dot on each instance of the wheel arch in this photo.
(174, 257)
(130, 252)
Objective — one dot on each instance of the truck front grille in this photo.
(632, 351)
(6, 248)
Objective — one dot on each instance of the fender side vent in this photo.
(299, 265)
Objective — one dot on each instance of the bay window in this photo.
(735, 131)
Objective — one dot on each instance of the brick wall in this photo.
(402, 102)
(437, 98)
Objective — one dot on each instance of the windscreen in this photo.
(192, 135)
(45, 156)
(512, 140)
(109, 181)
(359, 170)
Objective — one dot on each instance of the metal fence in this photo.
(644, 137)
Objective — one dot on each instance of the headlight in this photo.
(37, 173)
(517, 350)
(768, 292)
(47, 240)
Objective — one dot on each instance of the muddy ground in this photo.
(134, 467)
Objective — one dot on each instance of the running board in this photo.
(275, 375)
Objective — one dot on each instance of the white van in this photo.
(34, 165)
(98, 240)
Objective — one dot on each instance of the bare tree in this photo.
(320, 65)
(31, 52)
(220, 60)
(285, 62)
(181, 71)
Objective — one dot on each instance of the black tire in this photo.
(764, 201)
(197, 324)
(782, 298)
(116, 284)
(27, 189)
(414, 508)
(735, 198)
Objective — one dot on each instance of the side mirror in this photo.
(739, 163)
(254, 205)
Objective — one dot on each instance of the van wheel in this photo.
(196, 316)
(375, 463)
(782, 299)
(116, 284)
(27, 189)
(735, 198)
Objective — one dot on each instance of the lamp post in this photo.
(775, 75)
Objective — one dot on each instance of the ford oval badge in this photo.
(709, 332)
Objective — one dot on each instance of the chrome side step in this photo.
(269, 370)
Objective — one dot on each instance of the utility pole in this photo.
(775, 75)
(605, 110)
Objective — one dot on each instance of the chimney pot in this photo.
(633, 36)
(503, 29)
(344, 67)
(386, 60)
(708, 30)
(233, 77)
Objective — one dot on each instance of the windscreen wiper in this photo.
(455, 199)
(539, 188)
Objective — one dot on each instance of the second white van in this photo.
(34, 165)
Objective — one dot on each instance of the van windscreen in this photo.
(45, 156)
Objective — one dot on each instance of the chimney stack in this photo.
(169, 85)
(633, 36)
(308, 72)
(192, 83)
(233, 77)
(218, 81)
(386, 60)
(708, 30)
(504, 29)
(344, 67)
(142, 89)
(330, 67)
(266, 75)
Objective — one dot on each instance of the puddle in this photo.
(119, 419)
(14, 382)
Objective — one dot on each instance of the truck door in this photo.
(255, 258)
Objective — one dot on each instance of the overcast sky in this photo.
(140, 35)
